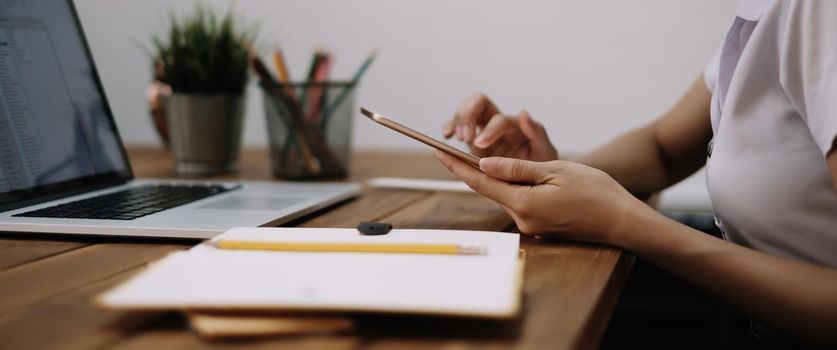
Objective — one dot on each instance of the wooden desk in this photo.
(47, 282)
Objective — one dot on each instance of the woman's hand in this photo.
(490, 133)
(558, 197)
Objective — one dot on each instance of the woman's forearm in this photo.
(633, 160)
(651, 158)
(797, 297)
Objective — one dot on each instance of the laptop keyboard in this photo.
(131, 203)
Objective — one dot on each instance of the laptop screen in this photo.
(56, 130)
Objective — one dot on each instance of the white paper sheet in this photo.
(211, 278)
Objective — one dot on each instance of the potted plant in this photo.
(204, 62)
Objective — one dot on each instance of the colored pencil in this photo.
(317, 93)
(295, 125)
(312, 70)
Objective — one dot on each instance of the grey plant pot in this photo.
(205, 132)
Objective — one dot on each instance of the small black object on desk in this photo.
(368, 228)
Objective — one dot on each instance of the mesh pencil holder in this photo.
(309, 126)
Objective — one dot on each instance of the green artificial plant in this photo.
(204, 54)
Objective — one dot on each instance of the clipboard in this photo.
(209, 279)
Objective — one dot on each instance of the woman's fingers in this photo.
(536, 135)
(529, 126)
(461, 131)
(478, 122)
(493, 131)
(475, 108)
(448, 129)
(472, 112)
(468, 131)
(515, 170)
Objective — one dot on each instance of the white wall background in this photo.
(589, 69)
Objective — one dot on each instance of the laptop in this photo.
(63, 167)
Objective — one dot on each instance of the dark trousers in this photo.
(659, 310)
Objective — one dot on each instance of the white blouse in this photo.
(774, 119)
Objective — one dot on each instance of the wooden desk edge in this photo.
(597, 324)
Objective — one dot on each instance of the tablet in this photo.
(427, 140)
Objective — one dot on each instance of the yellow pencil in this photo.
(282, 71)
(397, 248)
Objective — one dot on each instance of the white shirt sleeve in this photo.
(808, 66)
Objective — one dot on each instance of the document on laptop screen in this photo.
(54, 124)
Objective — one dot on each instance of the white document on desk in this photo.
(402, 183)
(209, 278)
